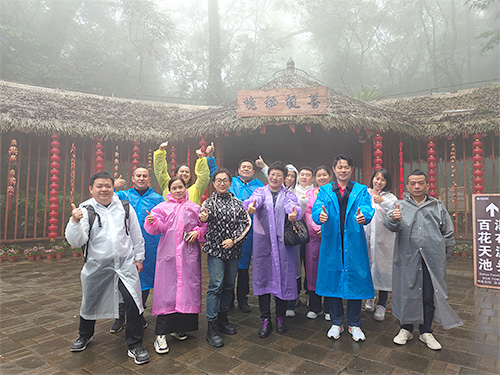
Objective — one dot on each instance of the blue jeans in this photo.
(222, 276)
(353, 311)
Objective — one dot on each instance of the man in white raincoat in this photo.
(425, 236)
(115, 251)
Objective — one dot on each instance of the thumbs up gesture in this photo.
(260, 162)
(396, 214)
(163, 146)
(150, 218)
(251, 207)
(120, 183)
(210, 150)
(203, 215)
(292, 216)
(323, 216)
(360, 218)
(76, 213)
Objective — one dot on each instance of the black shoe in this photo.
(244, 307)
(80, 344)
(223, 324)
(280, 325)
(118, 325)
(266, 328)
(139, 354)
(213, 337)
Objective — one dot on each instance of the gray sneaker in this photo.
(379, 315)
(139, 354)
(370, 305)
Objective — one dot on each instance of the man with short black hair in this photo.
(425, 237)
(143, 199)
(342, 208)
(242, 187)
(115, 251)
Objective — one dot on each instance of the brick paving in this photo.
(40, 301)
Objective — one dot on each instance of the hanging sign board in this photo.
(486, 223)
(303, 101)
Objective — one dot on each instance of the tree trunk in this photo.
(214, 90)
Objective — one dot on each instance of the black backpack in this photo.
(92, 215)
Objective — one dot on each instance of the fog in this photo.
(179, 51)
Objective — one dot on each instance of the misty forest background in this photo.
(203, 51)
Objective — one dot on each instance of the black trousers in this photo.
(303, 263)
(243, 286)
(133, 331)
(315, 303)
(382, 297)
(265, 306)
(428, 302)
(121, 307)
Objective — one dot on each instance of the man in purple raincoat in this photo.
(273, 262)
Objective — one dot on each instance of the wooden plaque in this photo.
(304, 101)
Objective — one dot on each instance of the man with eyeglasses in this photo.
(242, 187)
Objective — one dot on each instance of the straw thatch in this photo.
(46, 111)
(343, 112)
(441, 115)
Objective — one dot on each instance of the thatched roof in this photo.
(46, 111)
(342, 112)
(440, 115)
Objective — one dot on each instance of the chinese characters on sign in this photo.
(486, 221)
(282, 102)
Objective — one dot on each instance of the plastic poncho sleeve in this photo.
(256, 196)
(365, 206)
(202, 179)
(389, 222)
(77, 234)
(447, 230)
(160, 167)
(291, 201)
(159, 225)
(212, 165)
(136, 236)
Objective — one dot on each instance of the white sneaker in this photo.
(327, 317)
(334, 332)
(357, 334)
(161, 345)
(312, 315)
(370, 305)
(430, 341)
(181, 336)
(403, 337)
(290, 313)
(379, 315)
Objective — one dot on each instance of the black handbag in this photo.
(296, 233)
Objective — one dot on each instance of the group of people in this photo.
(360, 239)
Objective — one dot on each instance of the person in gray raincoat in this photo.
(115, 251)
(425, 237)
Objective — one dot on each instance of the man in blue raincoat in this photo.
(342, 208)
(242, 187)
(143, 199)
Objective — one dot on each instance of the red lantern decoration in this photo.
(73, 172)
(13, 151)
(99, 153)
(203, 146)
(377, 145)
(54, 186)
(173, 161)
(135, 156)
(150, 166)
(401, 168)
(188, 157)
(478, 165)
(431, 168)
(116, 162)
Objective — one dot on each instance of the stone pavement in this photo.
(39, 305)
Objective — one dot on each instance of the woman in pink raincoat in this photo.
(323, 176)
(177, 286)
